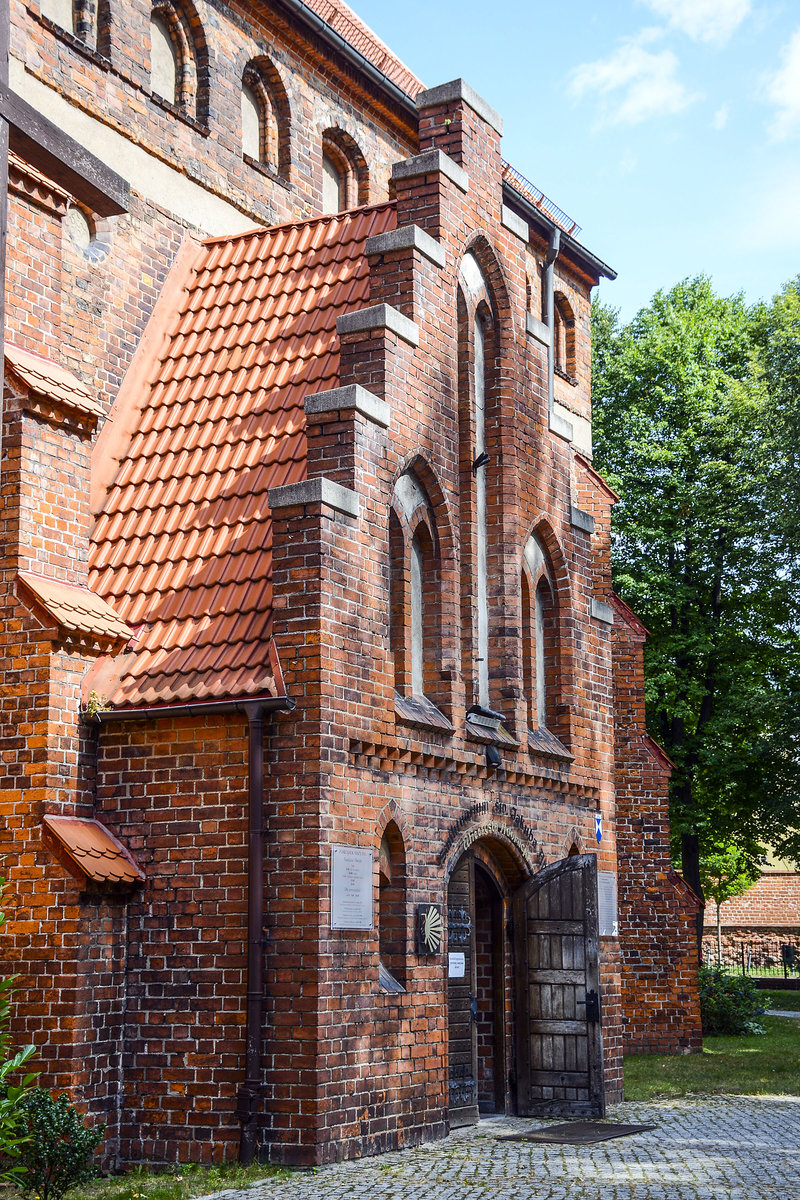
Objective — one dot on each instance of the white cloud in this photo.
(702, 20)
(720, 118)
(632, 84)
(783, 90)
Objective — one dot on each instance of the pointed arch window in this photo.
(564, 360)
(415, 606)
(392, 932)
(540, 651)
(478, 435)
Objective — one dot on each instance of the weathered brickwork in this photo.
(661, 1011)
(136, 998)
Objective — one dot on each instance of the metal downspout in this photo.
(552, 255)
(247, 1103)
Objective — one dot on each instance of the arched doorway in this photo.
(479, 981)
(523, 951)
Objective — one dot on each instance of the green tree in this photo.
(685, 431)
(725, 871)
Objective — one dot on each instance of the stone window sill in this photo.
(418, 711)
(175, 110)
(71, 39)
(265, 169)
(542, 742)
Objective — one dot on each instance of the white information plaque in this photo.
(351, 888)
(607, 903)
(456, 965)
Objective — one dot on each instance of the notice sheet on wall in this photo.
(607, 903)
(351, 887)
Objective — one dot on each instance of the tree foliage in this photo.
(725, 871)
(685, 429)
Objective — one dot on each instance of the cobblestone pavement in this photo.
(725, 1148)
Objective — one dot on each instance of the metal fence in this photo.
(763, 958)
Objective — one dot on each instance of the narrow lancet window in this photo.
(481, 565)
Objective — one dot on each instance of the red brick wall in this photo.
(144, 1016)
(660, 1002)
(773, 902)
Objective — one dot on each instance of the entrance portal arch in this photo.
(523, 955)
(482, 882)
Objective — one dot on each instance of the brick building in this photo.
(322, 730)
(755, 926)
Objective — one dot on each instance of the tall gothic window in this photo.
(539, 637)
(415, 605)
(476, 351)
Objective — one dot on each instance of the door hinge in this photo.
(592, 1007)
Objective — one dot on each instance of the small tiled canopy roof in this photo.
(182, 548)
(93, 850)
(47, 378)
(75, 608)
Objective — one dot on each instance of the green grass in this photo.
(178, 1183)
(788, 1001)
(766, 1065)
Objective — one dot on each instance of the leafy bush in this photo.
(59, 1152)
(12, 1095)
(729, 1003)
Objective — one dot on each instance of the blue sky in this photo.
(669, 129)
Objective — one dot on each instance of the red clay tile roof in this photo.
(345, 22)
(94, 850)
(182, 548)
(76, 608)
(47, 378)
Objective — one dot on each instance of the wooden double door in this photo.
(524, 1014)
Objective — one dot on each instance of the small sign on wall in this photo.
(607, 904)
(456, 965)
(429, 928)
(351, 888)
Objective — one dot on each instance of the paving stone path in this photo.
(725, 1148)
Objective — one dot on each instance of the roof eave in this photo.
(323, 30)
(586, 260)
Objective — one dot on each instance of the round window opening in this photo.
(79, 228)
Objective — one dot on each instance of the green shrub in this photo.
(12, 1094)
(59, 1152)
(729, 1004)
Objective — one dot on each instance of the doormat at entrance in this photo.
(577, 1133)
